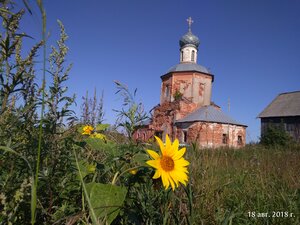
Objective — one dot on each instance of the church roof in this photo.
(285, 104)
(188, 67)
(209, 114)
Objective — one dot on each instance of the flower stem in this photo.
(115, 178)
(35, 180)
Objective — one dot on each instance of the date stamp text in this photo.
(274, 214)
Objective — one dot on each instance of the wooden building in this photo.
(283, 112)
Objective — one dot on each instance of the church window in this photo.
(167, 91)
(240, 140)
(224, 139)
(181, 55)
(184, 136)
(193, 56)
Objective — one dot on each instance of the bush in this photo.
(276, 136)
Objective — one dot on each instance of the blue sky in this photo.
(252, 48)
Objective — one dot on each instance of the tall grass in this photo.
(230, 184)
(38, 159)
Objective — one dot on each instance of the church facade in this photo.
(186, 111)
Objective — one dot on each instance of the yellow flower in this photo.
(133, 171)
(98, 135)
(91, 168)
(87, 129)
(170, 165)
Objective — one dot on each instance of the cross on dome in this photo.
(190, 21)
(189, 45)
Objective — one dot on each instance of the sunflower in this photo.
(87, 130)
(170, 165)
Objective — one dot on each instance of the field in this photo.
(253, 185)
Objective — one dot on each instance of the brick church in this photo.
(186, 111)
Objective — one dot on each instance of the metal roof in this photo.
(189, 39)
(209, 114)
(188, 67)
(285, 104)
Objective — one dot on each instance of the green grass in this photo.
(228, 184)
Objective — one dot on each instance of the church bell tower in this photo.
(187, 80)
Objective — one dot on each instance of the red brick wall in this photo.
(195, 87)
(204, 134)
(211, 134)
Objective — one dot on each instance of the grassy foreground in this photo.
(252, 185)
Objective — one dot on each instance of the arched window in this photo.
(181, 55)
(193, 56)
(224, 138)
(167, 93)
(240, 140)
(184, 136)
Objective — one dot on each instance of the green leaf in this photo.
(80, 129)
(27, 6)
(102, 127)
(98, 144)
(106, 200)
(86, 168)
(6, 11)
(9, 150)
(140, 159)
